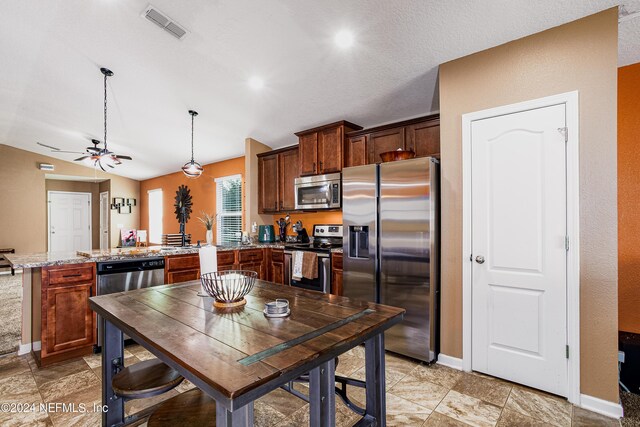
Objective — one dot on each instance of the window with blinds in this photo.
(155, 216)
(229, 209)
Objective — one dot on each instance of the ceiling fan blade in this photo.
(100, 164)
(72, 152)
(93, 149)
(79, 159)
(123, 157)
(48, 146)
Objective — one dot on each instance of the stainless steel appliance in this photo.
(317, 192)
(391, 247)
(127, 275)
(325, 238)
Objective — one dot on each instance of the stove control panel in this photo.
(327, 230)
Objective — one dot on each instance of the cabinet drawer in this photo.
(182, 262)
(183, 276)
(337, 261)
(66, 275)
(226, 258)
(250, 255)
(277, 255)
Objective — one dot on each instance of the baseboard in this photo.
(24, 349)
(37, 346)
(451, 362)
(604, 407)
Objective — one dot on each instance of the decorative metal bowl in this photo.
(392, 156)
(229, 287)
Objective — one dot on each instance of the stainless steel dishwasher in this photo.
(127, 275)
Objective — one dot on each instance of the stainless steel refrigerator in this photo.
(391, 247)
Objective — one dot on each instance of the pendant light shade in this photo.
(192, 169)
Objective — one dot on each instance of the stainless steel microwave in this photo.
(318, 192)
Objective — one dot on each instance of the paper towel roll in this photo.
(208, 262)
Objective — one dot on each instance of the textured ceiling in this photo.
(51, 88)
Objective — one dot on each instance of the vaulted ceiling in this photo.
(51, 52)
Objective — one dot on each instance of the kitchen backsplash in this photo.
(310, 218)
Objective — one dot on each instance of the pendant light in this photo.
(192, 169)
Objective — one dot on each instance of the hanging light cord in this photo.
(105, 112)
(192, 116)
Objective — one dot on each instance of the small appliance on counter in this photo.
(303, 236)
(266, 234)
(283, 223)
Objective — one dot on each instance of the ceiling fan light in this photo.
(192, 169)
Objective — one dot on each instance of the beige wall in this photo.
(251, 150)
(23, 220)
(578, 56)
(78, 187)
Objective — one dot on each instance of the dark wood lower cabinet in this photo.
(336, 273)
(68, 325)
(181, 268)
(275, 266)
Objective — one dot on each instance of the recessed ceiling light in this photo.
(344, 39)
(256, 83)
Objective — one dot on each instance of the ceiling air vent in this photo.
(164, 22)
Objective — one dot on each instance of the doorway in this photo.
(520, 282)
(105, 209)
(69, 221)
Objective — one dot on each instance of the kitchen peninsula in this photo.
(57, 321)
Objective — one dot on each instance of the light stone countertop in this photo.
(44, 259)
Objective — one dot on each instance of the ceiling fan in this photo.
(101, 157)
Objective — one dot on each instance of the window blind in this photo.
(228, 209)
(155, 216)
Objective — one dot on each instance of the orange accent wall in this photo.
(203, 192)
(628, 198)
(310, 218)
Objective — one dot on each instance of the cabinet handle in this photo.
(320, 165)
(280, 204)
(71, 275)
(275, 206)
(314, 166)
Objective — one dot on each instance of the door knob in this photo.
(480, 259)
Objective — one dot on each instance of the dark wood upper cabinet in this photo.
(288, 171)
(322, 148)
(330, 150)
(422, 135)
(356, 151)
(277, 171)
(308, 151)
(268, 183)
(424, 138)
(383, 141)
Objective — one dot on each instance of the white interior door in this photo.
(69, 221)
(519, 226)
(104, 220)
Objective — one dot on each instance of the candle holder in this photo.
(228, 288)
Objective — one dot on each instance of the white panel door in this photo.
(104, 220)
(519, 326)
(69, 221)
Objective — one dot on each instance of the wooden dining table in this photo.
(238, 355)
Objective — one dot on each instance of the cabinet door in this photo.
(336, 282)
(289, 170)
(330, 148)
(356, 152)
(424, 138)
(386, 140)
(268, 183)
(277, 273)
(69, 320)
(308, 152)
(182, 276)
(258, 267)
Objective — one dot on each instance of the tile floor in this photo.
(417, 395)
